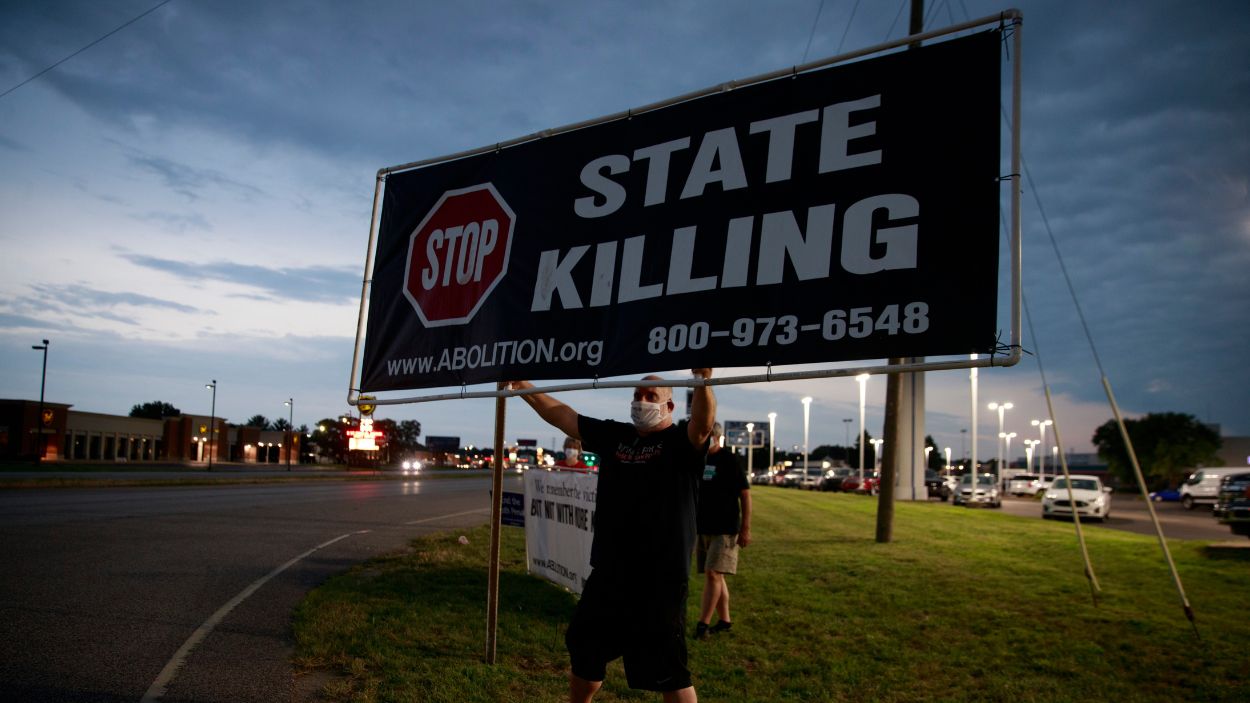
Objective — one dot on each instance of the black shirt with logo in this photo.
(721, 483)
(645, 508)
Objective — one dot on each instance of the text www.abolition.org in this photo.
(507, 352)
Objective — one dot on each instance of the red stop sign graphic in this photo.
(458, 254)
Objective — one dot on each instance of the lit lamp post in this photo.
(1054, 458)
(772, 441)
(750, 445)
(863, 397)
(1041, 426)
(40, 444)
(212, 424)
(1006, 437)
(1002, 409)
(807, 408)
(290, 403)
(972, 380)
(948, 461)
(1028, 453)
(926, 457)
(876, 450)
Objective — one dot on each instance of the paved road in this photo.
(1130, 515)
(102, 587)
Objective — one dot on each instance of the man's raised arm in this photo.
(702, 411)
(557, 414)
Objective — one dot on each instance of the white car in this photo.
(986, 494)
(1023, 485)
(1090, 497)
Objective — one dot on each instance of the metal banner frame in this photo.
(1012, 19)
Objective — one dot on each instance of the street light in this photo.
(1006, 437)
(863, 397)
(290, 403)
(1041, 426)
(948, 461)
(1028, 453)
(212, 424)
(1002, 409)
(807, 408)
(926, 456)
(876, 450)
(772, 442)
(972, 380)
(43, 382)
(750, 445)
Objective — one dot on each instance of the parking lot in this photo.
(1131, 515)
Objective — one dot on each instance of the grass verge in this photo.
(965, 604)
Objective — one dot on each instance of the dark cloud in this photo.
(310, 283)
(98, 302)
(175, 221)
(187, 180)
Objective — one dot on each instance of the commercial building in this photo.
(65, 434)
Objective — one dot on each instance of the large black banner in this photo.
(843, 214)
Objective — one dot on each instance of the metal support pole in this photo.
(290, 431)
(496, 517)
(40, 444)
(1141, 484)
(212, 425)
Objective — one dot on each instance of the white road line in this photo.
(157, 689)
(444, 517)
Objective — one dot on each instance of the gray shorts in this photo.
(718, 553)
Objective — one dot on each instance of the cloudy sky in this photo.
(188, 199)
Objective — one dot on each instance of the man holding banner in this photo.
(634, 602)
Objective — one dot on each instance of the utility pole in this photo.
(899, 414)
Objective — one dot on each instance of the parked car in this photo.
(1232, 508)
(792, 478)
(1203, 485)
(1023, 485)
(1044, 483)
(936, 485)
(986, 491)
(1167, 495)
(1089, 498)
(815, 475)
(833, 478)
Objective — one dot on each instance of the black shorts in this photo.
(644, 624)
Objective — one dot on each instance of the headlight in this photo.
(407, 465)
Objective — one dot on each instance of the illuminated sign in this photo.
(364, 439)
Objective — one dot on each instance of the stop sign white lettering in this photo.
(458, 254)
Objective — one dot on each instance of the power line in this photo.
(97, 41)
(848, 27)
(813, 32)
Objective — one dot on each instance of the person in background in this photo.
(724, 521)
(633, 604)
(572, 456)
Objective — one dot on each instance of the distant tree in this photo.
(155, 410)
(330, 439)
(281, 424)
(825, 451)
(937, 460)
(406, 435)
(258, 421)
(1167, 446)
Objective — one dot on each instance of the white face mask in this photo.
(572, 454)
(646, 415)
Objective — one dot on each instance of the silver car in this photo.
(986, 491)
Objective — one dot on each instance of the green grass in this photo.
(965, 604)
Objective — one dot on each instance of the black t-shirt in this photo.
(645, 508)
(721, 483)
